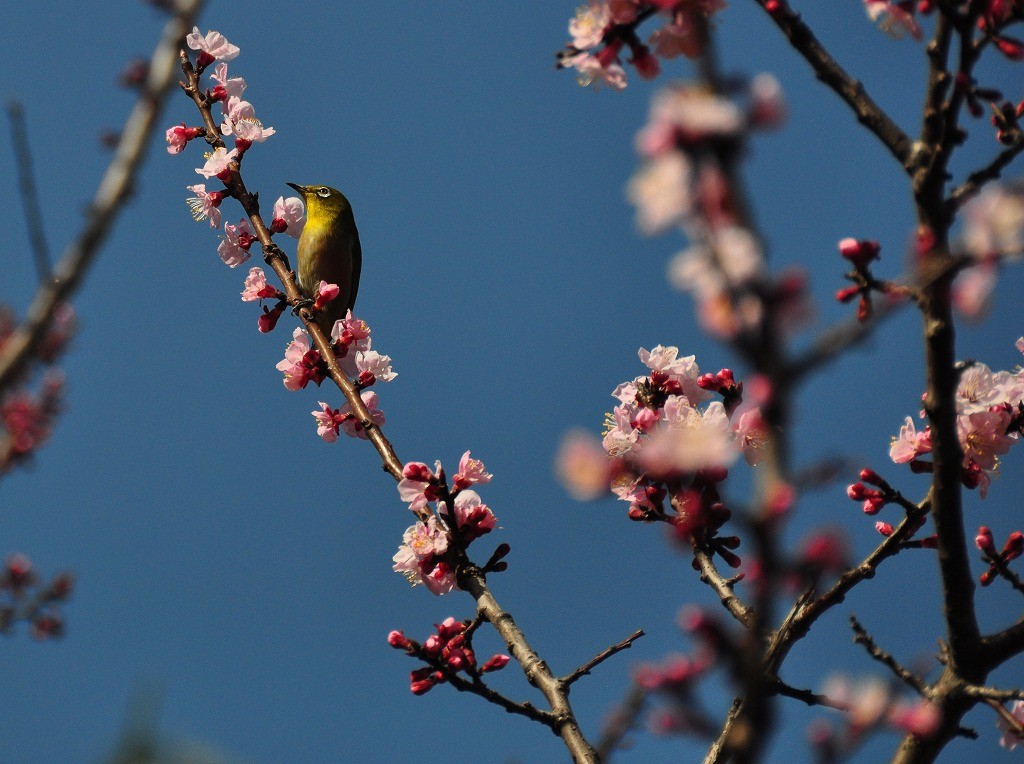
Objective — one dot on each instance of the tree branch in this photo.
(29, 194)
(828, 70)
(109, 201)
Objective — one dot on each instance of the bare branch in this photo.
(601, 657)
(113, 190)
(723, 588)
(977, 179)
(908, 677)
(29, 194)
(850, 90)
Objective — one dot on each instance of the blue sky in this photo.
(503, 273)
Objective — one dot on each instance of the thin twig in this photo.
(29, 194)
(601, 657)
(109, 201)
(977, 179)
(798, 623)
(807, 696)
(828, 70)
(709, 574)
(908, 677)
(477, 687)
(992, 693)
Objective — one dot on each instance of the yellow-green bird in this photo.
(329, 250)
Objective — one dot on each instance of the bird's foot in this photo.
(305, 302)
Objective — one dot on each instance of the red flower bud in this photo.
(985, 542)
(495, 663)
(398, 640)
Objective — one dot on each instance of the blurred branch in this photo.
(109, 200)
(621, 721)
(977, 179)
(29, 193)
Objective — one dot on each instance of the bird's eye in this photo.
(323, 192)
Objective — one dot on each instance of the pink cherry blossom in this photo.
(301, 363)
(910, 444)
(473, 517)
(328, 422)
(205, 204)
(352, 426)
(621, 436)
(325, 293)
(684, 370)
(419, 557)
(660, 191)
(752, 435)
(256, 286)
(590, 72)
(767, 102)
(234, 246)
(218, 163)
(234, 109)
(582, 466)
(351, 333)
(288, 216)
(588, 26)
(697, 113)
(892, 18)
(250, 130)
(690, 439)
(983, 437)
(471, 472)
(1009, 737)
(373, 367)
(226, 87)
(178, 136)
(994, 222)
(212, 46)
(419, 485)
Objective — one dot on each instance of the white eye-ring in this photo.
(323, 192)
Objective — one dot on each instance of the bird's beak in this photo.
(300, 189)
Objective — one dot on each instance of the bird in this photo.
(329, 251)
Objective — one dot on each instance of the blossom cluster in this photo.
(603, 30)
(993, 232)
(27, 415)
(428, 552)
(990, 416)
(691, 134)
(869, 704)
(238, 120)
(667, 444)
(24, 598)
(899, 17)
(351, 346)
(447, 652)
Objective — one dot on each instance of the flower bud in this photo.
(495, 663)
(398, 640)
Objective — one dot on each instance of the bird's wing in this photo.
(357, 266)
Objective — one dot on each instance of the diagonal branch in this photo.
(114, 188)
(29, 194)
(977, 179)
(601, 657)
(828, 70)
